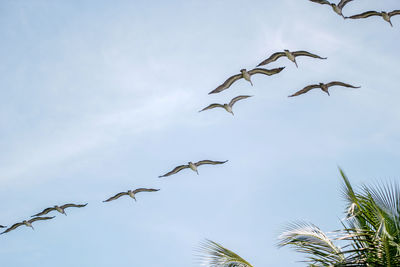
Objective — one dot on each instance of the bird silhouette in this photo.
(192, 166)
(227, 107)
(324, 87)
(131, 193)
(245, 75)
(60, 209)
(385, 15)
(290, 55)
(338, 8)
(27, 223)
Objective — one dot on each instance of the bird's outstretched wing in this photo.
(177, 169)
(40, 219)
(202, 162)
(365, 15)
(145, 190)
(73, 205)
(116, 196)
(265, 71)
(342, 3)
(272, 58)
(215, 105)
(305, 90)
(307, 54)
(12, 227)
(236, 99)
(322, 2)
(2, 226)
(341, 84)
(226, 84)
(394, 13)
(45, 211)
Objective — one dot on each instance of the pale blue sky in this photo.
(100, 97)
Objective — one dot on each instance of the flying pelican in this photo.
(131, 193)
(337, 8)
(60, 209)
(290, 55)
(27, 223)
(192, 166)
(227, 107)
(324, 87)
(246, 75)
(385, 15)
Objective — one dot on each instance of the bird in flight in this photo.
(227, 107)
(60, 209)
(245, 75)
(192, 166)
(324, 87)
(131, 193)
(27, 223)
(385, 15)
(290, 55)
(337, 8)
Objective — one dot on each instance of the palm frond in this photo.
(349, 194)
(213, 254)
(308, 238)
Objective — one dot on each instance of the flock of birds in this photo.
(339, 7)
(244, 74)
(228, 107)
(131, 193)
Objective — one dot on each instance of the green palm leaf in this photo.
(308, 238)
(213, 254)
